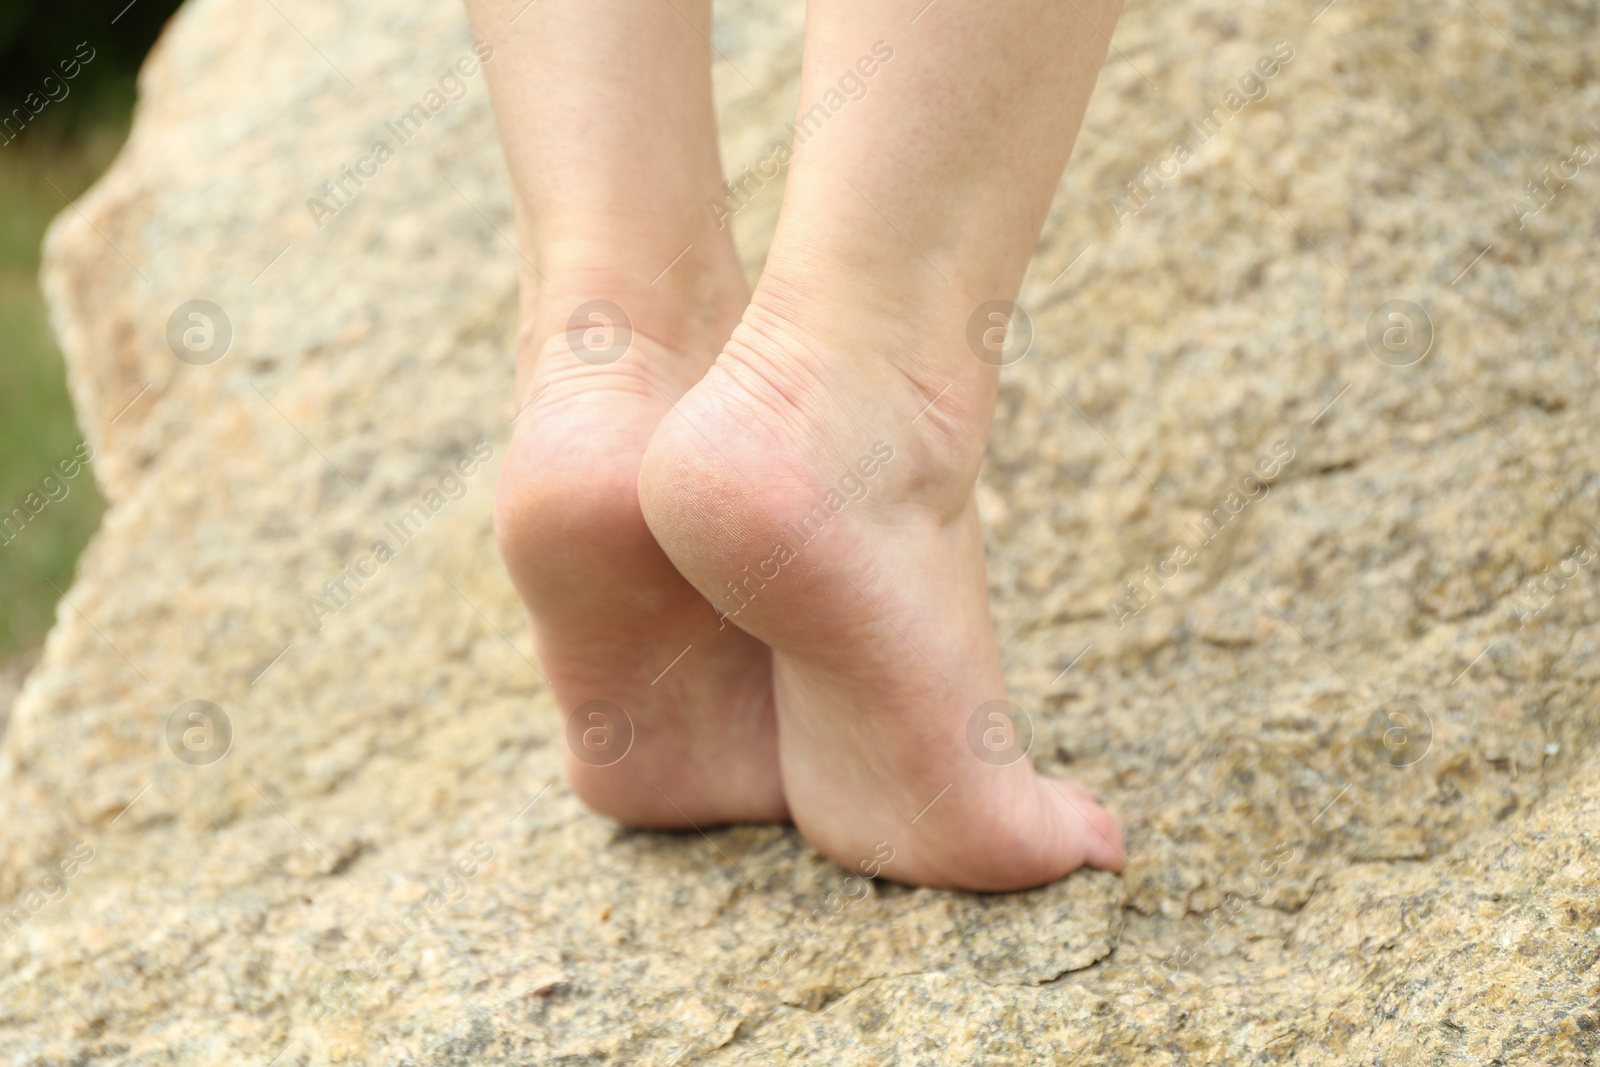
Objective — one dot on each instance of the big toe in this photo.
(1090, 828)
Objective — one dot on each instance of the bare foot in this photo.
(612, 154)
(670, 718)
(817, 485)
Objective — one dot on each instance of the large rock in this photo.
(1358, 769)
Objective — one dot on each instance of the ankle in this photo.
(688, 306)
(901, 355)
(823, 391)
(816, 274)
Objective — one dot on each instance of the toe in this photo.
(1093, 833)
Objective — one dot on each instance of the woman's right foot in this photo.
(818, 488)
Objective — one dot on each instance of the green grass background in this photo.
(37, 427)
(56, 157)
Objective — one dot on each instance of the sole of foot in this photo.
(817, 486)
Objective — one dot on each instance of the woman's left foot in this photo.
(669, 720)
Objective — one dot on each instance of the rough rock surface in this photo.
(385, 868)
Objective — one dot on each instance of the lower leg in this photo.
(607, 124)
(908, 207)
(628, 292)
(935, 183)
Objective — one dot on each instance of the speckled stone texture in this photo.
(1354, 747)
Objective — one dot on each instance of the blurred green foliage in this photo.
(59, 139)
